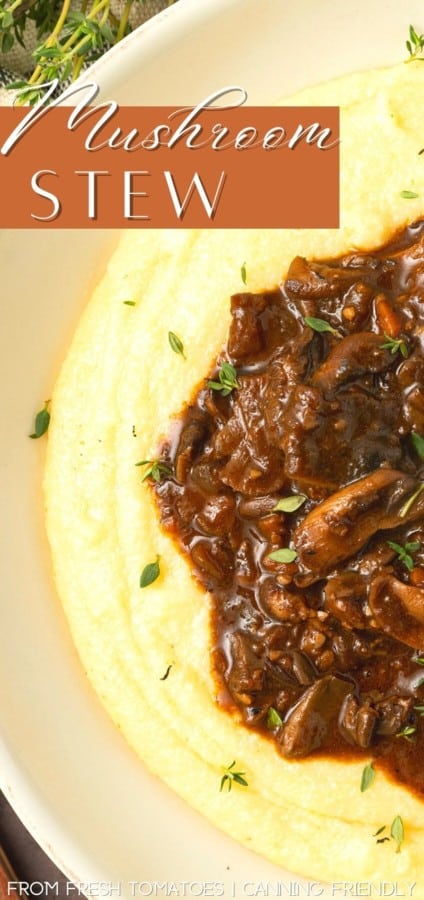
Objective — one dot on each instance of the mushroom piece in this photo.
(353, 357)
(398, 609)
(339, 526)
(357, 721)
(307, 725)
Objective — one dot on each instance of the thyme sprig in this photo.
(66, 38)
(155, 469)
(395, 346)
(227, 380)
(415, 44)
(230, 775)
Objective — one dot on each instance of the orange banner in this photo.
(159, 167)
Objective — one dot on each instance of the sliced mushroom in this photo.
(398, 609)
(353, 357)
(344, 597)
(337, 528)
(393, 714)
(357, 721)
(307, 726)
(191, 436)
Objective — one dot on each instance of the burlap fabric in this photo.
(19, 64)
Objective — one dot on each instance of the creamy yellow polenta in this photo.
(121, 379)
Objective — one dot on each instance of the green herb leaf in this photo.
(176, 344)
(419, 660)
(379, 830)
(405, 553)
(409, 503)
(273, 718)
(129, 302)
(155, 469)
(150, 573)
(320, 325)
(227, 380)
(290, 504)
(42, 421)
(397, 832)
(409, 195)
(243, 273)
(418, 444)
(407, 733)
(285, 555)
(230, 776)
(395, 346)
(368, 775)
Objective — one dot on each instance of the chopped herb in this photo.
(407, 733)
(290, 504)
(176, 344)
(320, 325)
(380, 830)
(420, 683)
(409, 195)
(418, 444)
(129, 302)
(368, 775)
(227, 380)
(273, 718)
(243, 273)
(407, 506)
(415, 44)
(230, 776)
(397, 832)
(419, 710)
(42, 421)
(285, 555)
(404, 553)
(150, 573)
(395, 346)
(164, 677)
(155, 470)
(419, 660)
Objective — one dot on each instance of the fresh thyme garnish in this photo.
(156, 469)
(408, 195)
(404, 553)
(418, 444)
(419, 710)
(243, 273)
(285, 555)
(42, 421)
(395, 346)
(290, 504)
(164, 677)
(176, 344)
(407, 733)
(65, 37)
(273, 718)
(368, 775)
(415, 44)
(407, 506)
(227, 376)
(320, 325)
(150, 573)
(231, 776)
(397, 832)
(129, 302)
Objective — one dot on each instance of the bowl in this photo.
(66, 770)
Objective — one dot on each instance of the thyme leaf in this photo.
(42, 421)
(176, 344)
(230, 775)
(395, 346)
(284, 555)
(290, 504)
(150, 573)
(320, 325)
(227, 376)
(368, 775)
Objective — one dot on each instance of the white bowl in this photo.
(64, 767)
